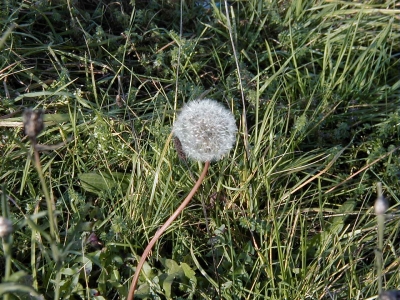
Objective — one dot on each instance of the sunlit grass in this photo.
(314, 88)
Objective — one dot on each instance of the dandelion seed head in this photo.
(6, 227)
(390, 295)
(206, 130)
(33, 122)
(381, 205)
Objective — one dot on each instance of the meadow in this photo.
(288, 213)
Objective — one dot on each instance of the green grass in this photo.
(315, 89)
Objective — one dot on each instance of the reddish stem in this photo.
(159, 232)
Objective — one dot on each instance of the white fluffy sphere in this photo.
(6, 227)
(206, 130)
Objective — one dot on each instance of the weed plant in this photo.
(315, 90)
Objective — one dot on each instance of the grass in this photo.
(314, 87)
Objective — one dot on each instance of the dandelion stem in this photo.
(7, 239)
(52, 220)
(7, 254)
(49, 203)
(162, 230)
(380, 208)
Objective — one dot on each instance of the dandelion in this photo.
(206, 130)
(381, 205)
(33, 122)
(390, 295)
(6, 227)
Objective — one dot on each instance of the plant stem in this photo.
(52, 220)
(49, 203)
(7, 240)
(162, 230)
(7, 254)
(379, 252)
